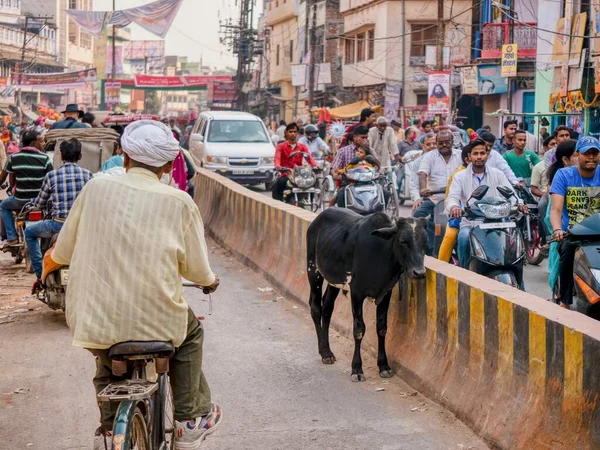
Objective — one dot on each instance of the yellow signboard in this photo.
(508, 66)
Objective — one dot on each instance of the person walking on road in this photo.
(382, 142)
(61, 186)
(574, 190)
(130, 290)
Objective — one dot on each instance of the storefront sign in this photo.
(392, 100)
(203, 80)
(509, 60)
(222, 92)
(469, 80)
(112, 93)
(439, 93)
(158, 81)
(62, 79)
(491, 81)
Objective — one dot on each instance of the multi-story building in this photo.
(388, 41)
(282, 52)
(40, 56)
(75, 47)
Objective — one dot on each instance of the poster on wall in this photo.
(560, 49)
(576, 73)
(597, 75)
(577, 31)
(595, 26)
(508, 65)
(392, 100)
(490, 81)
(469, 80)
(112, 92)
(439, 93)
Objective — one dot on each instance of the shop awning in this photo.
(353, 110)
(5, 112)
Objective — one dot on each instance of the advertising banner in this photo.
(203, 80)
(112, 92)
(491, 81)
(223, 92)
(392, 100)
(508, 65)
(439, 93)
(469, 80)
(61, 79)
(158, 81)
(118, 59)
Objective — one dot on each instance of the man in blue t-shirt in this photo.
(575, 194)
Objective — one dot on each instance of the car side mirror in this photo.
(480, 192)
(506, 192)
(197, 137)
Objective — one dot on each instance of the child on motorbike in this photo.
(363, 157)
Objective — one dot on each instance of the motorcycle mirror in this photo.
(506, 192)
(480, 192)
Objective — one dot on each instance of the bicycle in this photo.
(144, 419)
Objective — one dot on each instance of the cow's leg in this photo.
(331, 294)
(385, 371)
(359, 332)
(315, 279)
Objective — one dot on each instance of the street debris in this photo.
(379, 389)
(21, 390)
(266, 289)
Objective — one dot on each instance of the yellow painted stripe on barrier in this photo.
(412, 304)
(537, 349)
(573, 363)
(452, 300)
(431, 292)
(505, 338)
(477, 328)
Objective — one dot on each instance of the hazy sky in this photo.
(195, 30)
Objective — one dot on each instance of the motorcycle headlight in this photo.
(267, 161)
(217, 159)
(495, 211)
(304, 182)
(596, 275)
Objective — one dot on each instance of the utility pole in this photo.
(114, 56)
(511, 40)
(440, 38)
(313, 59)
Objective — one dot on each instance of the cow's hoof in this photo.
(358, 377)
(328, 359)
(386, 373)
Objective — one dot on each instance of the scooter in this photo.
(586, 267)
(55, 278)
(363, 194)
(497, 247)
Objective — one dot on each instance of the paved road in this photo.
(536, 278)
(263, 367)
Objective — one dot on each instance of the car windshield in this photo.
(237, 131)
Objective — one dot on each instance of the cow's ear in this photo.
(385, 233)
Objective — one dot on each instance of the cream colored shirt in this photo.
(129, 240)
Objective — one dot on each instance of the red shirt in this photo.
(283, 152)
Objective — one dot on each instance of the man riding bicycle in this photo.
(129, 240)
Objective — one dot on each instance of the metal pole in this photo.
(440, 42)
(114, 56)
(313, 60)
(511, 38)
(22, 66)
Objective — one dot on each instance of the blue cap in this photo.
(587, 143)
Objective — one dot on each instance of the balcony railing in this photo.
(496, 34)
(14, 38)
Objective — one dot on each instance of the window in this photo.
(421, 36)
(349, 50)
(85, 40)
(277, 55)
(236, 131)
(291, 50)
(73, 32)
(72, 4)
(421, 99)
(360, 47)
(371, 44)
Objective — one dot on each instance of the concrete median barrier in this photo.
(522, 372)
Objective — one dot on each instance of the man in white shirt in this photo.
(412, 168)
(382, 141)
(462, 186)
(434, 170)
(496, 160)
(129, 240)
(315, 144)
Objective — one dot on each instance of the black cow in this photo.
(366, 256)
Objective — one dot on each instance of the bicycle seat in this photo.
(140, 348)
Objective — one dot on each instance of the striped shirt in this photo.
(62, 185)
(30, 166)
(129, 239)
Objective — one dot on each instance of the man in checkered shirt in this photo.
(61, 186)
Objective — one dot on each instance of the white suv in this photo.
(234, 144)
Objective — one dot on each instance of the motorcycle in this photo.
(301, 190)
(586, 267)
(26, 216)
(530, 228)
(497, 247)
(363, 194)
(55, 278)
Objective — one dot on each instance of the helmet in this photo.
(310, 128)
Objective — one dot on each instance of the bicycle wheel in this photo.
(164, 429)
(139, 432)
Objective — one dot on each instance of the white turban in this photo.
(150, 142)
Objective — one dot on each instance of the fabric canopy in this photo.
(353, 110)
(155, 17)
